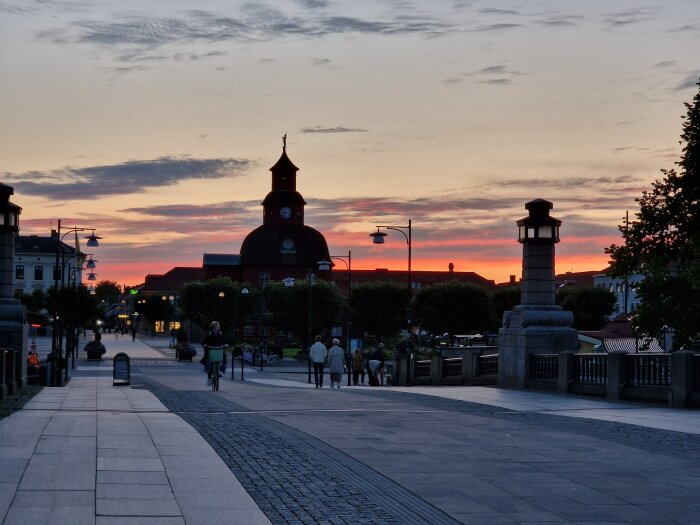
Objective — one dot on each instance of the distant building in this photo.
(616, 338)
(625, 290)
(283, 246)
(35, 263)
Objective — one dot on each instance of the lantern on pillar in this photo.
(9, 212)
(538, 227)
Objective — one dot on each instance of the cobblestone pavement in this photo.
(373, 456)
(294, 477)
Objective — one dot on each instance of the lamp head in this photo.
(325, 265)
(93, 240)
(378, 237)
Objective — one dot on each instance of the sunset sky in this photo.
(156, 122)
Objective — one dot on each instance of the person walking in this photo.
(318, 354)
(358, 367)
(336, 363)
(376, 366)
(133, 333)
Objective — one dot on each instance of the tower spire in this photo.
(284, 143)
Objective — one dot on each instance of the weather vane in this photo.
(284, 142)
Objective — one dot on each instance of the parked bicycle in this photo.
(269, 359)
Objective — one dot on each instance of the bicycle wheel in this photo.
(274, 360)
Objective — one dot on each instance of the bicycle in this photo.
(216, 357)
(269, 359)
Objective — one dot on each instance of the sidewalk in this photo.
(93, 453)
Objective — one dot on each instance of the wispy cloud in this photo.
(498, 27)
(134, 176)
(337, 129)
(494, 11)
(559, 20)
(689, 82)
(502, 73)
(255, 23)
(628, 17)
(320, 61)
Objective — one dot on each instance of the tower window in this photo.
(19, 271)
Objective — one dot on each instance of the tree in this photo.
(107, 291)
(75, 304)
(289, 306)
(591, 306)
(504, 300)
(218, 299)
(663, 243)
(380, 308)
(454, 308)
(36, 302)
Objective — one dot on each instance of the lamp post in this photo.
(244, 291)
(56, 342)
(289, 281)
(378, 238)
(72, 343)
(327, 265)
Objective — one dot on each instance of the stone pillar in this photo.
(537, 325)
(681, 378)
(566, 368)
(13, 326)
(617, 377)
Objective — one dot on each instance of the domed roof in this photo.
(266, 246)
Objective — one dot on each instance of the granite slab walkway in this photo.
(96, 454)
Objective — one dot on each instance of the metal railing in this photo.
(544, 367)
(488, 365)
(650, 370)
(422, 368)
(592, 369)
(453, 367)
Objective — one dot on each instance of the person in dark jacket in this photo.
(214, 338)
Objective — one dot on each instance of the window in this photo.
(160, 327)
(249, 330)
(56, 273)
(38, 273)
(19, 271)
(265, 331)
(263, 279)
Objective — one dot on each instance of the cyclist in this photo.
(214, 338)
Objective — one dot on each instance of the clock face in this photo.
(285, 213)
(287, 244)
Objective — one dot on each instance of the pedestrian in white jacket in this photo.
(318, 354)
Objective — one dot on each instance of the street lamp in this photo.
(56, 341)
(75, 274)
(244, 291)
(289, 281)
(327, 265)
(378, 238)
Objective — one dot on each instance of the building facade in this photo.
(35, 263)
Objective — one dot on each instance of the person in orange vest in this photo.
(33, 361)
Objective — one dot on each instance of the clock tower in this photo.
(284, 204)
(283, 246)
